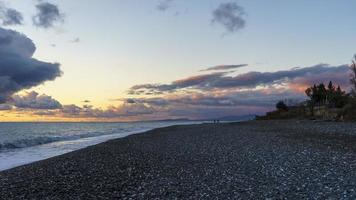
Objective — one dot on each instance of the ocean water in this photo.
(22, 143)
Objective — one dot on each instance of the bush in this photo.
(349, 110)
(281, 106)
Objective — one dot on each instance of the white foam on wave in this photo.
(17, 157)
(29, 142)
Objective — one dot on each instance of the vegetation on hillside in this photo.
(324, 102)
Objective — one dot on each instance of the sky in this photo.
(125, 60)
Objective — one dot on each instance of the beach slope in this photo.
(248, 160)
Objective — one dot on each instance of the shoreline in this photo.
(41, 155)
(264, 159)
(59, 145)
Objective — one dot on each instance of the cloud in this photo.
(87, 111)
(193, 81)
(75, 40)
(164, 5)
(221, 80)
(222, 93)
(230, 16)
(210, 95)
(224, 67)
(5, 107)
(313, 74)
(18, 70)
(230, 98)
(71, 110)
(33, 100)
(130, 101)
(199, 106)
(9, 16)
(47, 15)
(43, 105)
(44, 113)
(125, 110)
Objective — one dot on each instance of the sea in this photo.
(23, 143)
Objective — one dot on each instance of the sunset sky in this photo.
(123, 60)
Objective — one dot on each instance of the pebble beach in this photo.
(244, 160)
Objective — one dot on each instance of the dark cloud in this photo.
(232, 98)
(224, 67)
(307, 75)
(18, 70)
(33, 100)
(213, 104)
(6, 40)
(194, 81)
(86, 101)
(5, 107)
(71, 110)
(164, 5)
(198, 80)
(10, 16)
(47, 15)
(206, 107)
(230, 15)
(313, 74)
(130, 101)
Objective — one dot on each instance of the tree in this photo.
(331, 87)
(311, 93)
(340, 98)
(281, 106)
(322, 94)
(353, 76)
(317, 94)
(331, 97)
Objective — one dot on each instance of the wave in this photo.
(29, 142)
(73, 133)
